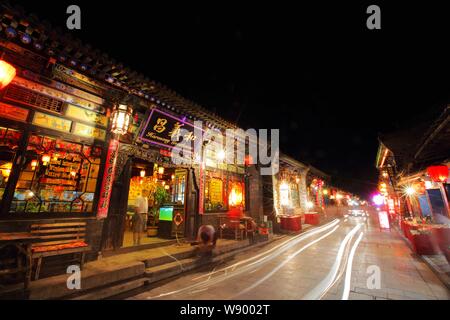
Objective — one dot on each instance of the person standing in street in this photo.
(140, 217)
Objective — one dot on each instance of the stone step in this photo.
(114, 290)
(91, 278)
(151, 274)
(167, 258)
(171, 269)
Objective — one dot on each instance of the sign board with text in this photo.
(163, 129)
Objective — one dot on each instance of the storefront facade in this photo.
(52, 146)
(288, 196)
(198, 192)
(62, 161)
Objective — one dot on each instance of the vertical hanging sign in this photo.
(108, 179)
(383, 219)
(201, 188)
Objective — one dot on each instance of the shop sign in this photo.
(14, 113)
(201, 187)
(383, 219)
(86, 115)
(391, 206)
(160, 127)
(216, 191)
(178, 219)
(56, 94)
(108, 179)
(89, 131)
(51, 122)
(165, 153)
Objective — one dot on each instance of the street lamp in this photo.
(410, 190)
(7, 73)
(121, 116)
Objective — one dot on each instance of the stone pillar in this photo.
(255, 196)
(302, 191)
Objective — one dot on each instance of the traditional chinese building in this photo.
(81, 137)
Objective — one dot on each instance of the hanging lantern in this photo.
(438, 173)
(7, 73)
(161, 170)
(33, 164)
(45, 159)
(142, 173)
(121, 116)
(248, 160)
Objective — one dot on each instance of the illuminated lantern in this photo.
(33, 164)
(167, 187)
(248, 160)
(121, 119)
(221, 155)
(438, 173)
(142, 173)
(325, 192)
(7, 73)
(297, 180)
(161, 170)
(172, 176)
(45, 159)
(235, 197)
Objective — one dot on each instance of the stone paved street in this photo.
(313, 265)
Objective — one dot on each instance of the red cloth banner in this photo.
(108, 179)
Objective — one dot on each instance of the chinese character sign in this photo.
(108, 179)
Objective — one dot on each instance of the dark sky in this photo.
(315, 72)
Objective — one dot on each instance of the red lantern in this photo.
(248, 160)
(438, 173)
(7, 73)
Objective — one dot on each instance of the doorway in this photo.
(166, 190)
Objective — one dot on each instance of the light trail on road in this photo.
(267, 256)
(348, 273)
(282, 247)
(290, 257)
(322, 288)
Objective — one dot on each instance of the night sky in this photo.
(315, 72)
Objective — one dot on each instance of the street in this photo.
(337, 260)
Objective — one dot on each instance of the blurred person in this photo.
(207, 238)
(251, 230)
(140, 217)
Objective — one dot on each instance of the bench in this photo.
(58, 239)
(231, 226)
